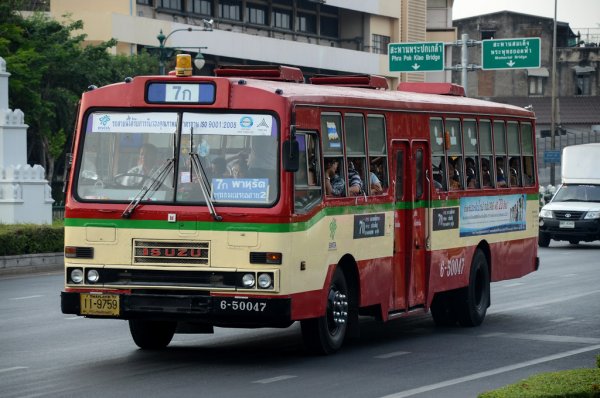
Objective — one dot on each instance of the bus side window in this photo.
(307, 190)
(438, 158)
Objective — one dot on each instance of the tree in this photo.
(50, 67)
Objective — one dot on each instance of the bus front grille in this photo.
(169, 252)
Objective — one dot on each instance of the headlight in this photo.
(248, 280)
(592, 215)
(93, 276)
(265, 281)
(77, 275)
(546, 213)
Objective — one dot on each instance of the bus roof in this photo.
(394, 100)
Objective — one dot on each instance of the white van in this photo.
(573, 214)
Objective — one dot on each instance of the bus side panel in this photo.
(449, 269)
(311, 304)
(517, 258)
(376, 282)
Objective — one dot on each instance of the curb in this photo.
(14, 265)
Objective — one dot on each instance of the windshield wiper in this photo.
(197, 167)
(156, 180)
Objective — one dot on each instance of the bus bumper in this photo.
(232, 311)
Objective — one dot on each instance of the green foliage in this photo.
(568, 384)
(29, 239)
(50, 68)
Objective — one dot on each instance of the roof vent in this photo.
(262, 72)
(433, 88)
(363, 81)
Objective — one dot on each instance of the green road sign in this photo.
(511, 53)
(416, 57)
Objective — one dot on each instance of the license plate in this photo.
(100, 304)
(566, 224)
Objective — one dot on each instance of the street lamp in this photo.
(163, 51)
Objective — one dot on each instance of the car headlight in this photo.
(546, 213)
(592, 215)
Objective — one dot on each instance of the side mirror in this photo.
(291, 155)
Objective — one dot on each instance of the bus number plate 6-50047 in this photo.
(100, 304)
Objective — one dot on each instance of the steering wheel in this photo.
(130, 179)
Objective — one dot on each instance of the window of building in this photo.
(487, 34)
(203, 7)
(143, 2)
(306, 23)
(583, 86)
(380, 44)
(174, 5)
(282, 19)
(329, 26)
(256, 14)
(437, 3)
(536, 85)
(229, 9)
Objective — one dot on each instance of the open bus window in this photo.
(335, 184)
(377, 175)
(356, 176)
(307, 187)
(515, 171)
(455, 173)
(487, 175)
(472, 172)
(439, 173)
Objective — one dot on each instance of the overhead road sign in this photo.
(511, 53)
(416, 57)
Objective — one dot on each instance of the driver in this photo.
(145, 166)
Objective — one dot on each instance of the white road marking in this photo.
(13, 368)
(392, 354)
(515, 284)
(540, 303)
(73, 317)
(546, 337)
(274, 379)
(26, 297)
(492, 372)
(569, 275)
(565, 319)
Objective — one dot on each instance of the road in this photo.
(546, 321)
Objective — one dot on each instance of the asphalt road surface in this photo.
(546, 321)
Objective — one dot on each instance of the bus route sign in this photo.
(511, 53)
(416, 57)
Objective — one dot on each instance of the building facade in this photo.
(319, 36)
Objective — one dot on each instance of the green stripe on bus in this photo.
(262, 227)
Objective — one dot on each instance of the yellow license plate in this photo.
(100, 304)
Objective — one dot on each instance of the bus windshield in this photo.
(232, 157)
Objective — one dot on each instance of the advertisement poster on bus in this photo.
(492, 214)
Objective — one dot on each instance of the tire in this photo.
(325, 335)
(151, 335)
(574, 241)
(443, 309)
(543, 240)
(474, 300)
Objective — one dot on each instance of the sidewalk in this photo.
(14, 265)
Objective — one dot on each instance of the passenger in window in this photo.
(453, 176)
(485, 173)
(239, 168)
(514, 171)
(355, 183)
(219, 168)
(374, 181)
(500, 178)
(334, 184)
(472, 180)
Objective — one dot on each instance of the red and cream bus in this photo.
(253, 199)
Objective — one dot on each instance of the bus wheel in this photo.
(151, 335)
(543, 240)
(325, 335)
(473, 301)
(443, 309)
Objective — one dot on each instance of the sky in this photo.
(578, 13)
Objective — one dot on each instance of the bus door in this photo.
(409, 225)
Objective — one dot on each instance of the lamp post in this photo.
(198, 60)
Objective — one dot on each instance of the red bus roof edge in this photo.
(433, 88)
